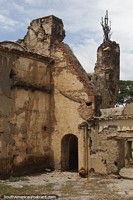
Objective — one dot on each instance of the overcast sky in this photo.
(81, 20)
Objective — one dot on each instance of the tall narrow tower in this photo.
(106, 75)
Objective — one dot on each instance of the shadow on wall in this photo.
(30, 165)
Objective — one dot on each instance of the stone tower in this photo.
(106, 74)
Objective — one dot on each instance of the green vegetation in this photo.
(6, 189)
(9, 190)
(125, 92)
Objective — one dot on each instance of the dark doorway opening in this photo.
(129, 150)
(73, 153)
(129, 154)
(69, 153)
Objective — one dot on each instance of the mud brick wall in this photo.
(25, 95)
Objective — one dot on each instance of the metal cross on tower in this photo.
(106, 27)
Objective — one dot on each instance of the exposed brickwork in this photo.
(106, 75)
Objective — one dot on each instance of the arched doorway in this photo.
(69, 153)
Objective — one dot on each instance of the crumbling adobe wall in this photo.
(105, 152)
(53, 34)
(73, 93)
(6, 104)
(74, 100)
(111, 137)
(106, 75)
(24, 112)
(42, 34)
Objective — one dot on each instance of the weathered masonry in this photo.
(45, 94)
(111, 137)
(50, 113)
(24, 110)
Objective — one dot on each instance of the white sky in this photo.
(81, 20)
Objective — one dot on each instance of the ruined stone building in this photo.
(52, 113)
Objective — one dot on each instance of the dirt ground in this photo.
(69, 186)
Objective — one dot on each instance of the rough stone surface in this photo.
(43, 33)
(48, 94)
(112, 136)
(50, 113)
(106, 75)
(24, 112)
(72, 89)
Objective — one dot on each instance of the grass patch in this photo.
(15, 179)
(98, 190)
(9, 190)
(68, 189)
(25, 190)
(48, 188)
